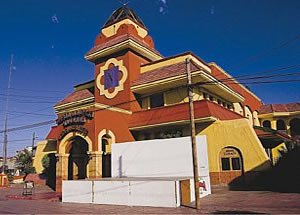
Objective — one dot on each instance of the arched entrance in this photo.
(231, 164)
(106, 158)
(78, 158)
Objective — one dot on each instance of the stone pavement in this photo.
(221, 201)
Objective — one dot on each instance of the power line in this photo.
(225, 81)
(30, 113)
(265, 53)
(36, 90)
(33, 96)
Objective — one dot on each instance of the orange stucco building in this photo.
(137, 94)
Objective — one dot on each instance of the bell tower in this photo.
(119, 50)
(121, 47)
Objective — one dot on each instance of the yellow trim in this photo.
(179, 122)
(103, 106)
(65, 141)
(172, 61)
(100, 135)
(277, 114)
(68, 107)
(117, 89)
(56, 107)
(165, 83)
(113, 29)
(214, 64)
(129, 43)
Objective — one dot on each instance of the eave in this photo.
(278, 114)
(197, 77)
(127, 44)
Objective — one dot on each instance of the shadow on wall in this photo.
(283, 177)
(49, 172)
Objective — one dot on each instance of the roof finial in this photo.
(124, 2)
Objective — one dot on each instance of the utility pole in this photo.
(193, 134)
(6, 117)
(33, 140)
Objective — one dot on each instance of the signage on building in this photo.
(79, 129)
(75, 118)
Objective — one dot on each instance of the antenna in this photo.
(6, 116)
(124, 2)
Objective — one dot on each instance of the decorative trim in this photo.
(129, 43)
(62, 107)
(177, 78)
(101, 134)
(64, 142)
(117, 89)
(278, 114)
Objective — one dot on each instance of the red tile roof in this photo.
(117, 40)
(203, 108)
(164, 72)
(76, 96)
(272, 108)
(53, 134)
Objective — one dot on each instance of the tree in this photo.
(24, 162)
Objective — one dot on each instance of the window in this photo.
(235, 163)
(267, 124)
(211, 98)
(280, 125)
(157, 100)
(231, 159)
(225, 164)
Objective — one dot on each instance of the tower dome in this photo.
(121, 13)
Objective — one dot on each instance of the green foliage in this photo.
(45, 163)
(24, 162)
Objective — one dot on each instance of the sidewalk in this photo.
(221, 201)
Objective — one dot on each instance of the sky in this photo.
(49, 39)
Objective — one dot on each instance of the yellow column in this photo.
(273, 124)
(95, 164)
(61, 170)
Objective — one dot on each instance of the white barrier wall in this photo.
(146, 173)
(77, 191)
(158, 193)
(162, 158)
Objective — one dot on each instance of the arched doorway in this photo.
(231, 164)
(280, 125)
(78, 158)
(295, 128)
(267, 124)
(106, 158)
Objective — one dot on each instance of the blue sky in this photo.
(49, 51)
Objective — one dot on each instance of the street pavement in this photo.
(222, 201)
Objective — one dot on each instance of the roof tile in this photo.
(164, 72)
(76, 96)
(272, 108)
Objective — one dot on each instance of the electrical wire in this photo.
(225, 81)
(265, 53)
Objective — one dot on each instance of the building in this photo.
(137, 94)
(281, 117)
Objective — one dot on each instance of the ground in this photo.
(221, 201)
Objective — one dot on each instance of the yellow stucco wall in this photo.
(43, 148)
(276, 152)
(273, 117)
(238, 134)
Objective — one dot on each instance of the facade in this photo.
(282, 117)
(137, 94)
